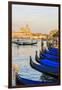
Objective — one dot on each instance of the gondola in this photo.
(23, 81)
(53, 49)
(41, 57)
(54, 53)
(48, 62)
(45, 69)
(24, 43)
(48, 56)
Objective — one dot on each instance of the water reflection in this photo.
(20, 56)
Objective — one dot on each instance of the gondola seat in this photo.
(48, 56)
(51, 52)
(54, 49)
(49, 63)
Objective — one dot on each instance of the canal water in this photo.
(21, 57)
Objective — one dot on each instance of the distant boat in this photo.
(18, 42)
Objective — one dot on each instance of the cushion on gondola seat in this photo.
(49, 63)
(50, 56)
(53, 49)
(47, 69)
(52, 53)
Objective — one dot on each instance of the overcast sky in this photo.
(40, 19)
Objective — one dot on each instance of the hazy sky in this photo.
(40, 19)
